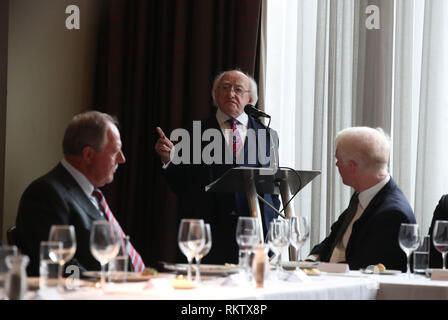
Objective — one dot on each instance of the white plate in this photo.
(385, 272)
(131, 276)
(290, 265)
(206, 269)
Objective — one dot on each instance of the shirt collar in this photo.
(367, 195)
(222, 118)
(83, 182)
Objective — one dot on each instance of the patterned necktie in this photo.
(136, 259)
(349, 215)
(237, 145)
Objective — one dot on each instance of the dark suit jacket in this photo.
(55, 198)
(374, 237)
(440, 213)
(221, 210)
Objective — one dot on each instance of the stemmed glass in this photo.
(66, 235)
(104, 244)
(247, 236)
(205, 250)
(278, 238)
(191, 239)
(299, 232)
(440, 239)
(409, 240)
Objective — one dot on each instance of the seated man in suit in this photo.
(366, 232)
(237, 133)
(440, 213)
(67, 195)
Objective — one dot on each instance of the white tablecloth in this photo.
(351, 286)
(317, 288)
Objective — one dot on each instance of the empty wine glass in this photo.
(409, 240)
(440, 239)
(205, 250)
(299, 232)
(104, 244)
(278, 238)
(66, 235)
(247, 236)
(191, 239)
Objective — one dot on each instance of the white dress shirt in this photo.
(83, 182)
(226, 129)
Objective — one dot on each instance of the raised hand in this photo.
(163, 146)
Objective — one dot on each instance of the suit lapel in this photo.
(368, 212)
(75, 192)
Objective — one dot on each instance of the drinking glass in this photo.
(299, 232)
(440, 238)
(118, 266)
(104, 244)
(421, 256)
(278, 238)
(191, 239)
(66, 235)
(49, 264)
(409, 240)
(247, 236)
(205, 250)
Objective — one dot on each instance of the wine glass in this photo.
(278, 238)
(440, 238)
(409, 240)
(205, 250)
(247, 236)
(299, 232)
(66, 235)
(191, 239)
(104, 244)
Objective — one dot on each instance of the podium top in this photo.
(266, 182)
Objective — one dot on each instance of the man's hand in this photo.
(163, 146)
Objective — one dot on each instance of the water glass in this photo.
(247, 236)
(49, 266)
(118, 266)
(421, 256)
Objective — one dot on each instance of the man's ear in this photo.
(87, 154)
(352, 165)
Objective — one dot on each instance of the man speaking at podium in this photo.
(240, 136)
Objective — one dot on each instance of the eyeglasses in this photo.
(238, 90)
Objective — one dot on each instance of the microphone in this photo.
(250, 109)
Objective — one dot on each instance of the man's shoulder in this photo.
(392, 198)
(56, 179)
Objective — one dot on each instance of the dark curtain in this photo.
(155, 67)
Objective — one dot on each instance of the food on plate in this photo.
(381, 267)
(312, 271)
(181, 283)
(149, 272)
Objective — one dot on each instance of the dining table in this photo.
(283, 285)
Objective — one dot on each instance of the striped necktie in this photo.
(136, 259)
(237, 145)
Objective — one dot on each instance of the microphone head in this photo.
(249, 109)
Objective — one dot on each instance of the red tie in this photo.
(237, 143)
(136, 259)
